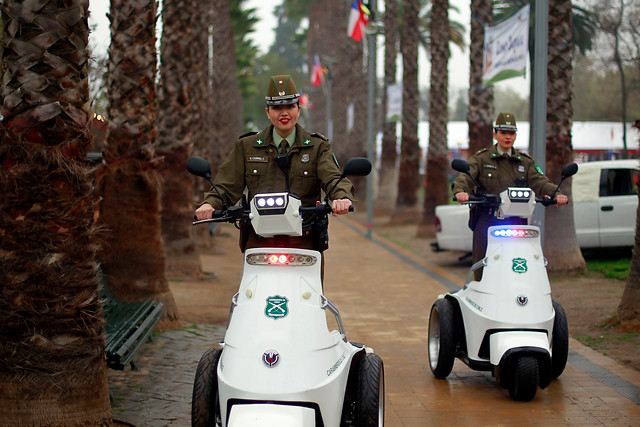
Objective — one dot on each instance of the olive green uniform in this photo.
(252, 164)
(495, 172)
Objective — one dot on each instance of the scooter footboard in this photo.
(506, 341)
(268, 414)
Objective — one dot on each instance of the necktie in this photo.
(283, 146)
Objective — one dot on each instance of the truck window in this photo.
(617, 182)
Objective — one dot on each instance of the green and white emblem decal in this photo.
(260, 141)
(276, 307)
(306, 142)
(519, 265)
(539, 170)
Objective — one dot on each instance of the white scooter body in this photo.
(513, 299)
(505, 322)
(280, 314)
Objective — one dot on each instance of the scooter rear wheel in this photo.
(370, 399)
(524, 381)
(205, 402)
(560, 341)
(442, 340)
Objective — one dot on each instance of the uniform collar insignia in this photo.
(260, 141)
(306, 142)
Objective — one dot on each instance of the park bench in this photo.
(127, 326)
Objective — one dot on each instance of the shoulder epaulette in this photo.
(482, 150)
(522, 153)
(319, 135)
(244, 135)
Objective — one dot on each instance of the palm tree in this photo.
(480, 110)
(183, 23)
(226, 107)
(51, 340)
(561, 244)
(409, 174)
(629, 307)
(388, 178)
(437, 173)
(133, 260)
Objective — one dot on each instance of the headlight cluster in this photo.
(270, 202)
(516, 232)
(519, 194)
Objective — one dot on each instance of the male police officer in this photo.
(495, 169)
(252, 164)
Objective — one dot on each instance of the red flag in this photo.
(358, 19)
(317, 73)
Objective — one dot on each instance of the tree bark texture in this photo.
(130, 184)
(560, 243)
(436, 190)
(51, 338)
(480, 112)
(178, 120)
(409, 178)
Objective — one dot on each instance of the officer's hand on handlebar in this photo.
(561, 200)
(340, 206)
(462, 197)
(204, 212)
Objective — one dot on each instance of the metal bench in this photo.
(127, 326)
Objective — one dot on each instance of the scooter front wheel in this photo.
(205, 402)
(370, 399)
(442, 340)
(524, 382)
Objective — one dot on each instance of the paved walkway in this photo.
(384, 301)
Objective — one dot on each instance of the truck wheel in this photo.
(205, 402)
(370, 397)
(442, 342)
(560, 341)
(523, 385)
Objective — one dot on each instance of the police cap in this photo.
(506, 121)
(282, 91)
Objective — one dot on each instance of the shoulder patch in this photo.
(319, 135)
(539, 170)
(244, 135)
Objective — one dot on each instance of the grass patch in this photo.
(616, 269)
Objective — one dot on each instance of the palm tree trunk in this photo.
(629, 308)
(409, 178)
(561, 245)
(133, 260)
(388, 178)
(480, 112)
(183, 21)
(51, 340)
(436, 189)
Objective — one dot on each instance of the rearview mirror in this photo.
(199, 167)
(460, 165)
(569, 170)
(357, 166)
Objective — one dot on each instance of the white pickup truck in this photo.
(605, 202)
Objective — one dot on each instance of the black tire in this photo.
(559, 342)
(205, 405)
(523, 384)
(442, 338)
(370, 397)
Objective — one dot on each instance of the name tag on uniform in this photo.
(489, 167)
(258, 159)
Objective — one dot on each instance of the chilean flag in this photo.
(317, 73)
(358, 19)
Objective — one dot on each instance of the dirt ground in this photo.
(589, 299)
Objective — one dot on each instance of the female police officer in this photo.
(252, 163)
(495, 169)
